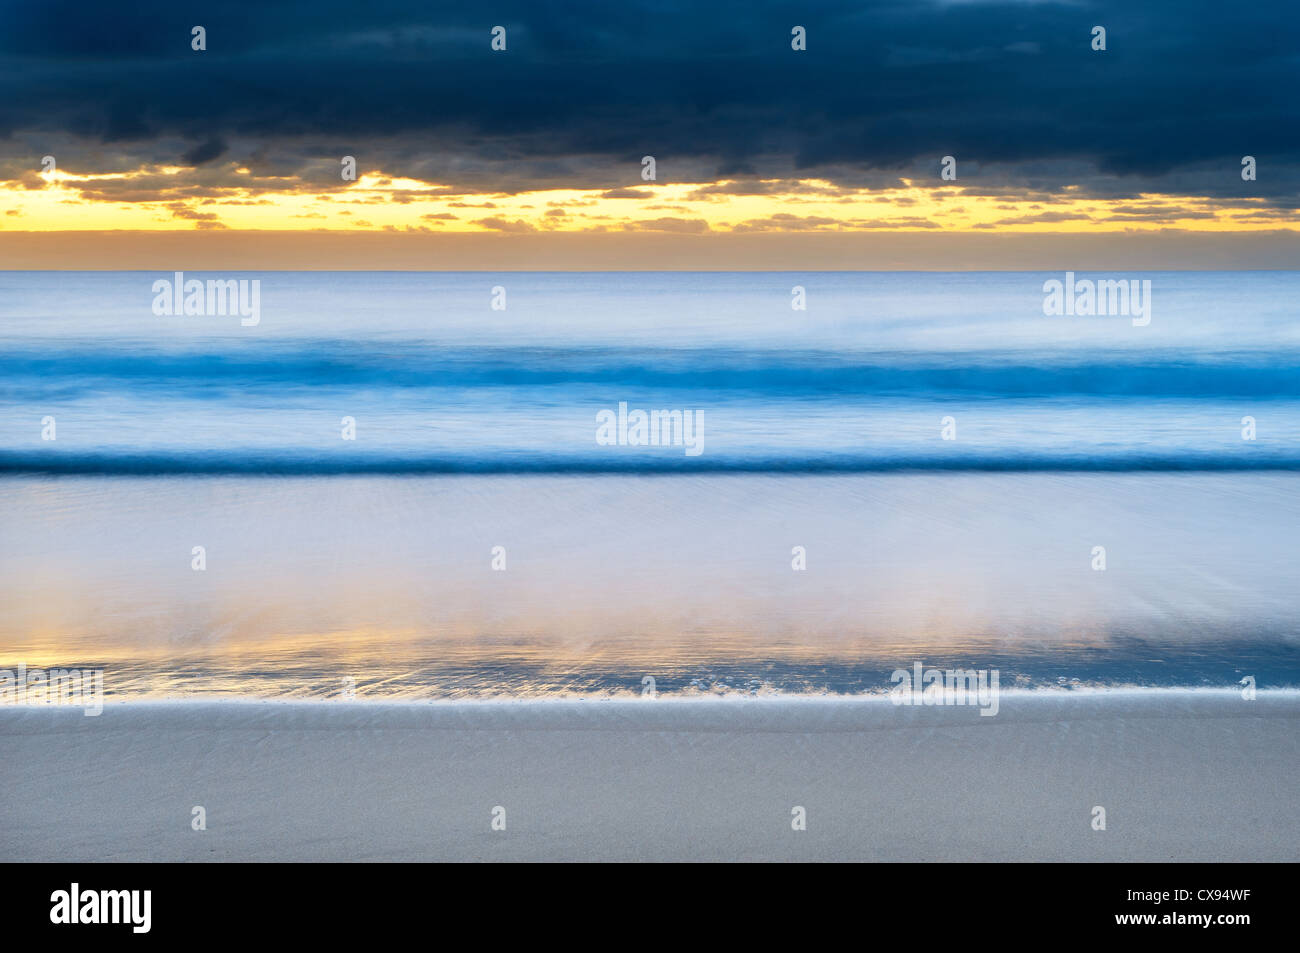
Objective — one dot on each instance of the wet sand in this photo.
(1182, 775)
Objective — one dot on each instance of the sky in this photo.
(121, 145)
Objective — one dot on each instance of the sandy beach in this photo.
(1182, 775)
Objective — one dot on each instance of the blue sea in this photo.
(402, 490)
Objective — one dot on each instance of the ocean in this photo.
(400, 490)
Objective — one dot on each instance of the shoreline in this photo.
(633, 697)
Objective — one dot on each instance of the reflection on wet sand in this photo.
(385, 586)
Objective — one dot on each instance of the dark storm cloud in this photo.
(1185, 88)
(205, 152)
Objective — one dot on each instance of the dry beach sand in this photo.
(1183, 775)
